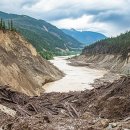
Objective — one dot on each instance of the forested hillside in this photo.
(114, 45)
(46, 38)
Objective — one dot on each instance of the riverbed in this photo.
(75, 79)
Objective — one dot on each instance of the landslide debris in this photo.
(106, 107)
(21, 67)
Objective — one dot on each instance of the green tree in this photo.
(9, 27)
(3, 25)
(1, 22)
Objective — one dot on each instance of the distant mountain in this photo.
(42, 35)
(86, 37)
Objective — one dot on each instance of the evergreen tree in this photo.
(1, 21)
(3, 25)
(11, 25)
(114, 45)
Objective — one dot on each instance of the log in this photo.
(6, 99)
(55, 111)
(21, 110)
(74, 110)
(67, 108)
(46, 104)
(66, 98)
(34, 108)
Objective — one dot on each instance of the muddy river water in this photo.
(76, 78)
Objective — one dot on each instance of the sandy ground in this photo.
(76, 78)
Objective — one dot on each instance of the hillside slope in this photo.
(111, 53)
(114, 45)
(22, 67)
(42, 35)
(86, 37)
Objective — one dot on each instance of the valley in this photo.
(63, 79)
(48, 40)
(76, 78)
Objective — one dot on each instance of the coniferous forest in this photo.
(113, 45)
(7, 25)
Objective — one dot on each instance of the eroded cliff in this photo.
(22, 67)
(111, 53)
(114, 63)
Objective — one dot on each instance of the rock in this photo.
(87, 115)
(112, 125)
(103, 123)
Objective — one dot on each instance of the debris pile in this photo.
(106, 107)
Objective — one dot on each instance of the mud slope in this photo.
(22, 67)
(114, 63)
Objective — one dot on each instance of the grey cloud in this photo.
(116, 18)
(112, 16)
(29, 3)
(68, 13)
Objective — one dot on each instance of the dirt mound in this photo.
(112, 100)
(21, 67)
(103, 108)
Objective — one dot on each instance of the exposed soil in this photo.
(21, 67)
(114, 63)
(105, 107)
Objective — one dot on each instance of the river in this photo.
(76, 78)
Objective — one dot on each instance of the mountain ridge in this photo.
(42, 35)
(85, 37)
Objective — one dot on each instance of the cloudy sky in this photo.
(110, 17)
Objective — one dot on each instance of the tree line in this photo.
(7, 25)
(113, 45)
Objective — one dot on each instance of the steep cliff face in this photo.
(22, 67)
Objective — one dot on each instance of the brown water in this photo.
(76, 78)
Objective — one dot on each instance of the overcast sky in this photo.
(110, 17)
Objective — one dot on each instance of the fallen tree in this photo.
(97, 109)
